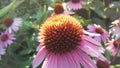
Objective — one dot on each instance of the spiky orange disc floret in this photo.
(60, 34)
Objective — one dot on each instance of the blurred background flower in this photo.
(98, 29)
(115, 29)
(6, 39)
(12, 24)
(75, 4)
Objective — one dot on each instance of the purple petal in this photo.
(84, 59)
(92, 50)
(91, 40)
(39, 57)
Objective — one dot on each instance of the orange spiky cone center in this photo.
(60, 34)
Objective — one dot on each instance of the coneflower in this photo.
(75, 4)
(64, 45)
(114, 46)
(12, 24)
(59, 9)
(115, 30)
(6, 38)
(98, 29)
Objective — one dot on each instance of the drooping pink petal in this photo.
(84, 59)
(91, 28)
(97, 38)
(96, 48)
(92, 50)
(63, 61)
(45, 63)
(52, 61)
(91, 40)
(39, 57)
(74, 59)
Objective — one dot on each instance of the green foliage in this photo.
(115, 66)
(7, 8)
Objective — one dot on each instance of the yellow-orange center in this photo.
(7, 22)
(102, 64)
(99, 30)
(58, 8)
(60, 34)
(75, 1)
(4, 37)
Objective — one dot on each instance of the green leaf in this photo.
(12, 13)
(82, 20)
(100, 12)
(6, 9)
(25, 52)
(115, 66)
(98, 7)
(112, 13)
(26, 63)
(42, 15)
(108, 55)
(99, 22)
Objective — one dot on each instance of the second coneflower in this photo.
(59, 9)
(114, 46)
(75, 4)
(64, 45)
(6, 38)
(12, 24)
(98, 29)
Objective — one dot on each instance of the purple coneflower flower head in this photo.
(2, 51)
(114, 46)
(115, 30)
(64, 45)
(59, 9)
(103, 64)
(75, 4)
(12, 24)
(6, 39)
(98, 29)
